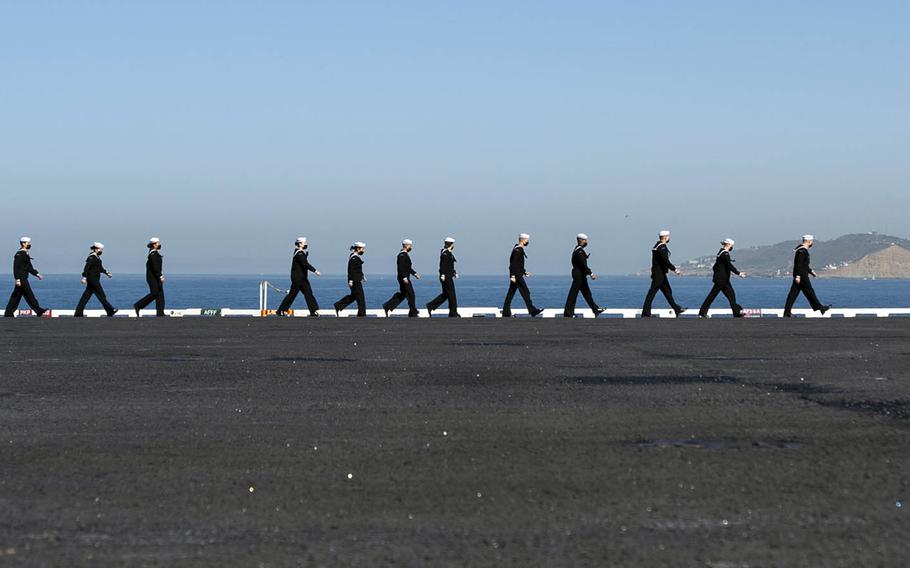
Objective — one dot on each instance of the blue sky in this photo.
(229, 128)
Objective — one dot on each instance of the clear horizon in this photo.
(387, 265)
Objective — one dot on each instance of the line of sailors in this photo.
(91, 278)
(661, 266)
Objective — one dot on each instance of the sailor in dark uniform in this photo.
(801, 283)
(22, 268)
(355, 281)
(660, 266)
(300, 282)
(517, 275)
(404, 272)
(91, 277)
(723, 267)
(154, 277)
(447, 276)
(580, 274)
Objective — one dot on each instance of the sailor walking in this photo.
(517, 275)
(154, 277)
(404, 271)
(355, 282)
(801, 282)
(580, 274)
(723, 267)
(447, 276)
(300, 282)
(22, 268)
(91, 277)
(660, 266)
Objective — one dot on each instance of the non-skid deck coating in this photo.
(263, 442)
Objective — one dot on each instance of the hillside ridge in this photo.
(858, 255)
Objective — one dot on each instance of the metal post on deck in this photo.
(263, 297)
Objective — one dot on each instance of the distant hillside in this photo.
(892, 262)
(864, 255)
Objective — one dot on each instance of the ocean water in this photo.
(210, 291)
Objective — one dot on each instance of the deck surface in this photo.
(277, 442)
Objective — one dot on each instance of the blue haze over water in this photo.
(210, 291)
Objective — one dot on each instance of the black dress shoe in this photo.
(506, 314)
(314, 314)
(135, 309)
(281, 314)
(429, 311)
(599, 311)
(679, 311)
(705, 316)
(788, 315)
(454, 315)
(40, 313)
(824, 309)
(113, 313)
(536, 313)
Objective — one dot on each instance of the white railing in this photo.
(626, 313)
(489, 312)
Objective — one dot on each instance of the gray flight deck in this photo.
(281, 442)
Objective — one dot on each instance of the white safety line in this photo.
(491, 312)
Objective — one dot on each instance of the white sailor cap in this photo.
(25, 239)
(97, 245)
(154, 240)
(663, 233)
(449, 240)
(581, 236)
(808, 237)
(301, 240)
(730, 242)
(359, 244)
(407, 242)
(524, 236)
